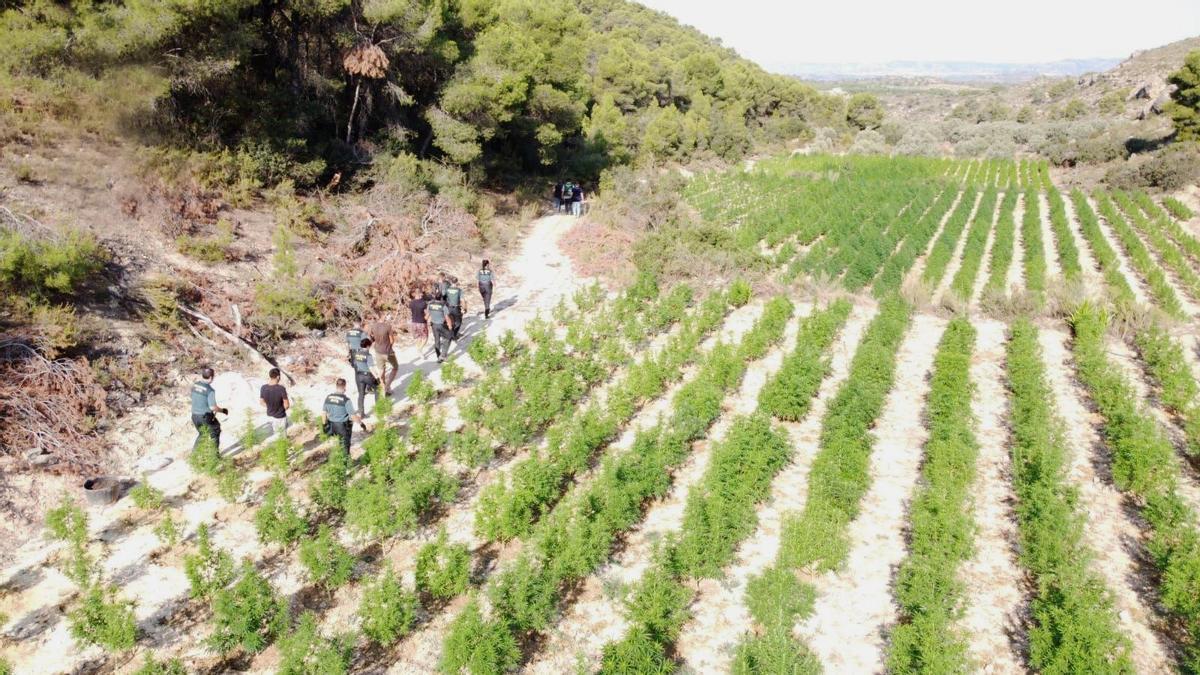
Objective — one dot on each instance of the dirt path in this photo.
(985, 263)
(1016, 267)
(1140, 292)
(423, 649)
(854, 605)
(1049, 242)
(993, 581)
(1087, 260)
(595, 618)
(1108, 528)
(943, 286)
(720, 616)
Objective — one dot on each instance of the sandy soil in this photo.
(1016, 268)
(1109, 530)
(981, 275)
(854, 606)
(994, 600)
(595, 618)
(1087, 260)
(1140, 292)
(943, 286)
(720, 616)
(161, 435)
(1049, 246)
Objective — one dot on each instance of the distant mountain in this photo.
(950, 71)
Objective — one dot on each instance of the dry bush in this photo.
(600, 250)
(48, 407)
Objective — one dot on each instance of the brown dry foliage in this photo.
(599, 250)
(48, 407)
(366, 60)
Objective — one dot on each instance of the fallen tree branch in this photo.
(237, 341)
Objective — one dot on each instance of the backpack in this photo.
(568, 190)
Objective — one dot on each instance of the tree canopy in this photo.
(495, 86)
(1184, 108)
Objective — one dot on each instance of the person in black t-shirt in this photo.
(417, 325)
(274, 398)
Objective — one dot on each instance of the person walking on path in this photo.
(442, 284)
(340, 415)
(274, 398)
(577, 200)
(418, 326)
(364, 379)
(205, 409)
(354, 337)
(437, 315)
(456, 306)
(485, 280)
(384, 341)
(558, 196)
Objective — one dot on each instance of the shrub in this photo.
(1171, 169)
(328, 487)
(443, 568)
(452, 373)
(247, 615)
(277, 520)
(304, 651)
(277, 455)
(739, 292)
(167, 530)
(299, 414)
(48, 268)
(209, 569)
(145, 496)
(477, 645)
(776, 598)
(427, 432)
(388, 612)
(101, 619)
(482, 352)
(775, 651)
(67, 521)
(329, 564)
(152, 666)
(205, 458)
(790, 392)
(212, 249)
(420, 389)
(637, 652)
(1178, 209)
(659, 604)
(470, 448)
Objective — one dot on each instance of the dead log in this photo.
(237, 341)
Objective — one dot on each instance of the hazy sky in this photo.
(776, 33)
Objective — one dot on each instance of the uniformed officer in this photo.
(485, 280)
(363, 363)
(455, 307)
(205, 409)
(437, 315)
(354, 337)
(340, 414)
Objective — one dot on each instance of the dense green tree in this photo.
(864, 111)
(302, 88)
(1184, 108)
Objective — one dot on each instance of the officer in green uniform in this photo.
(364, 379)
(455, 306)
(484, 277)
(205, 409)
(437, 315)
(340, 414)
(354, 337)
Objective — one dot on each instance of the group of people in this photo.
(438, 311)
(568, 198)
